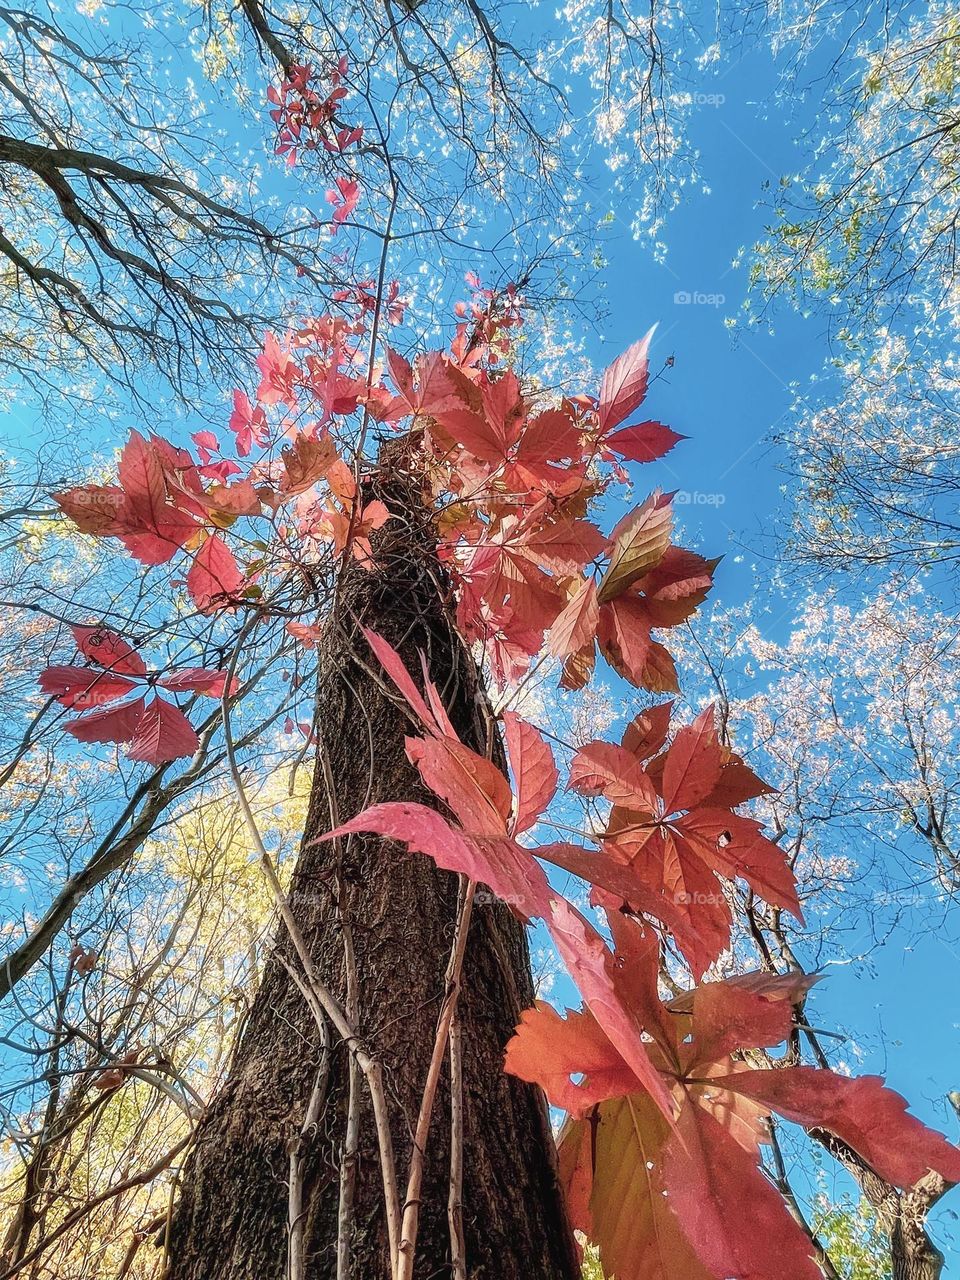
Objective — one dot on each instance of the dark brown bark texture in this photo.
(231, 1219)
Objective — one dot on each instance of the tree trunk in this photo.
(914, 1255)
(231, 1219)
(901, 1214)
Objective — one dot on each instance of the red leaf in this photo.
(624, 385)
(435, 393)
(306, 633)
(108, 649)
(150, 528)
(601, 768)
(735, 847)
(215, 577)
(534, 771)
(142, 479)
(754, 1010)
(511, 872)
(392, 663)
(737, 783)
(692, 766)
(473, 787)
(614, 1192)
(548, 1050)
(862, 1112)
(677, 586)
(637, 545)
(576, 626)
(562, 545)
(199, 680)
(579, 667)
(435, 701)
(163, 733)
(592, 966)
(644, 442)
(549, 437)
(647, 732)
(110, 724)
(729, 1211)
(625, 642)
(617, 883)
(80, 688)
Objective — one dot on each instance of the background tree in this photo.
(876, 470)
(872, 224)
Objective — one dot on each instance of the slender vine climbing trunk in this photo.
(231, 1219)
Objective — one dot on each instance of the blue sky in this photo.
(729, 394)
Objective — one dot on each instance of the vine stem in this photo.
(296, 1213)
(351, 1139)
(319, 997)
(458, 1248)
(411, 1206)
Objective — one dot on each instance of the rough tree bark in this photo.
(901, 1214)
(231, 1220)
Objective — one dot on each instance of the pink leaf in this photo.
(141, 475)
(163, 733)
(692, 767)
(644, 442)
(392, 663)
(548, 1049)
(472, 786)
(80, 688)
(109, 649)
(576, 625)
(110, 724)
(624, 385)
(534, 770)
(591, 964)
(732, 1215)
(601, 768)
(215, 577)
(512, 873)
(199, 680)
(861, 1112)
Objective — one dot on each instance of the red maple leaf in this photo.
(690, 1180)
(672, 827)
(648, 583)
